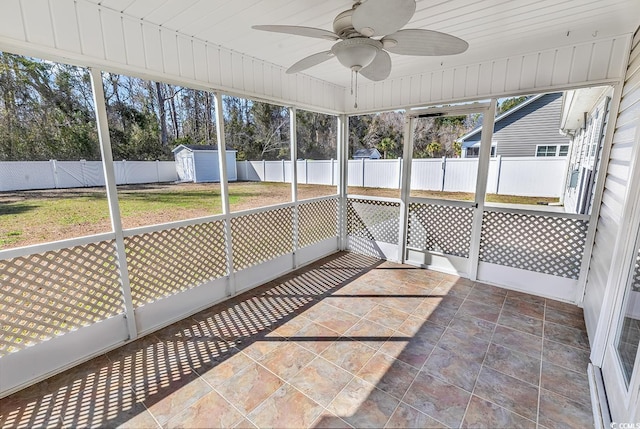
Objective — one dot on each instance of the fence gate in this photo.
(534, 251)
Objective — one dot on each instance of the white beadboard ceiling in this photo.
(515, 46)
(493, 28)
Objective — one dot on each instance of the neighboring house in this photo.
(199, 163)
(529, 129)
(585, 113)
(367, 154)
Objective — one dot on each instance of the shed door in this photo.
(187, 167)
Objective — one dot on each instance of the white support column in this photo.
(405, 187)
(343, 177)
(224, 189)
(294, 179)
(112, 197)
(481, 187)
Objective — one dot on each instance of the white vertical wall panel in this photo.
(63, 16)
(115, 49)
(37, 18)
(616, 192)
(134, 42)
(581, 63)
(485, 78)
(546, 65)
(562, 66)
(499, 76)
(11, 20)
(152, 47)
(185, 55)
(200, 61)
(170, 58)
(471, 82)
(514, 73)
(577, 65)
(213, 65)
(88, 34)
(90, 28)
(529, 70)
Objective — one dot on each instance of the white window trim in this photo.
(557, 153)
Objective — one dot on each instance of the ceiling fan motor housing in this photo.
(343, 26)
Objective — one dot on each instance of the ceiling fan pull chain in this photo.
(355, 105)
(352, 82)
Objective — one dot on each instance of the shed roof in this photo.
(366, 153)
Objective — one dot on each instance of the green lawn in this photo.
(32, 217)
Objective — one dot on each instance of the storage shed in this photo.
(199, 163)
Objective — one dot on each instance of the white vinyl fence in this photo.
(23, 175)
(526, 176)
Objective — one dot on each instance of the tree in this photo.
(316, 135)
(510, 103)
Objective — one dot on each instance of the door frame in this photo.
(622, 401)
(487, 109)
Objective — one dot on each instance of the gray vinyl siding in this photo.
(615, 190)
(535, 124)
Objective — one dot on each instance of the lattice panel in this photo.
(439, 228)
(163, 263)
(317, 221)
(48, 294)
(635, 284)
(545, 244)
(373, 220)
(262, 236)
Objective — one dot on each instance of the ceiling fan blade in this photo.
(380, 17)
(310, 61)
(318, 33)
(423, 43)
(379, 69)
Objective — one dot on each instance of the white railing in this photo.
(24, 175)
(67, 295)
(525, 176)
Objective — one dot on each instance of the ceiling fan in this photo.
(366, 33)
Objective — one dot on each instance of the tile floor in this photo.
(347, 342)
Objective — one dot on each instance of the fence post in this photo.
(399, 172)
(158, 170)
(331, 172)
(498, 172)
(82, 174)
(306, 171)
(363, 172)
(284, 172)
(54, 171)
(124, 172)
(264, 170)
(444, 171)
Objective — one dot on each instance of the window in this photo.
(474, 151)
(549, 150)
(552, 150)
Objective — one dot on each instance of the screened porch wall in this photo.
(62, 302)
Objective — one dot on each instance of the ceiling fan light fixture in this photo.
(356, 53)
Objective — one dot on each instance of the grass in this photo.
(31, 217)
